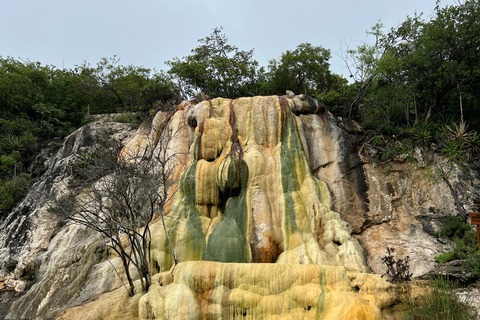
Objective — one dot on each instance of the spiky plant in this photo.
(459, 131)
(13, 143)
(472, 145)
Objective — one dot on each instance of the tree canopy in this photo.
(216, 68)
(430, 69)
(419, 79)
(303, 70)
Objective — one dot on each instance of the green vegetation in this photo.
(216, 68)
(465, 246)
(134, 119)
(10, 265)
(416, 85)
(438, 303)
(39, 103)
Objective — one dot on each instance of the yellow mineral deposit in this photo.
(213, 290)
(282, 213)
(252, 227)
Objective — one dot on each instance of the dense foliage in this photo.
(425, 70)
(216, 68)
(465, 246)
(39, 103)
(419, 82)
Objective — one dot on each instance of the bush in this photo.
(439, 303)
(10, 265)
(423, 136)
(12, 191)
(454, 151)
(473, 264)
(454, 227)
(134, 119)
(446, 257)
(397, 269)
(465, 246)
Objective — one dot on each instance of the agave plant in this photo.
(472, 145)
(13, 143)
(454, 151)
(459, 131)
(423, 136)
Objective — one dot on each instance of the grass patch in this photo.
(135, 119)
(439, 303)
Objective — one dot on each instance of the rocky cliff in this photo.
(278, 212)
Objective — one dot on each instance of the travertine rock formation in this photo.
(212, 290)
(246, 192)
(273, 209)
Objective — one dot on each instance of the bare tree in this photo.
(119, 196)
(362, 62)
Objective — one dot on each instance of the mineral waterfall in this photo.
(253, 228)
(246, 195)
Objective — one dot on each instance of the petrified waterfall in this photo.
(246, 195)
(250, 218)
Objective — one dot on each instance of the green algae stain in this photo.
(228, 241)
(291, 154)
(185, 222)
(322, 296)
(321, 305)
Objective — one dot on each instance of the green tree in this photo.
(216, 68)
(428, 69)
(113, 87)
(363, 65)
(305, 69)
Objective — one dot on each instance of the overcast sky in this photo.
(146, 33)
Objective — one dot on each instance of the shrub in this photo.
(454, 151)
(472, 145)
(446, 257)
(423, 135)
(439, 303)
(132, 118)
(10, 265)
(397, 269)
(454, 227)
(473, 264)
(395, 148)
(465, 246)
(12, 191)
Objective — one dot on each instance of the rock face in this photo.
(407, 204)
(246, 193)
(274, 215)
(58, 259)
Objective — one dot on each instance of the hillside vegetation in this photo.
(418, 83)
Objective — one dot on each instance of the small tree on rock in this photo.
(119, 196)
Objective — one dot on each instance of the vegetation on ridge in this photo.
(419, 81)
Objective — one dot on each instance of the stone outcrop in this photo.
(59, 260)
(407, 204)
(274, 214)
(246, 193)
